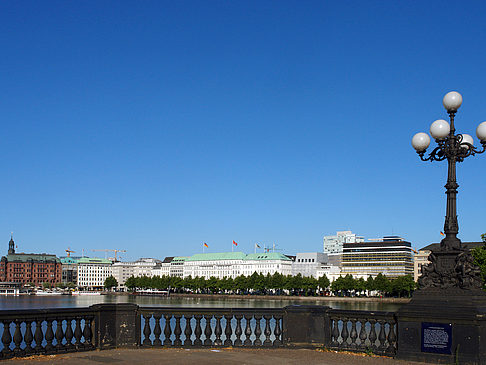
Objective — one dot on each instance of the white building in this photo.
(142, 267)
(233, 264)
(307, 264)
(334, 244)
(92, 272)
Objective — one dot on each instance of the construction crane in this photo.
(106, 250)
(69, 251)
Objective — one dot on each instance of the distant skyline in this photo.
(156, 126)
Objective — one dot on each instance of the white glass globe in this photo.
(452, 101)
(467, 138)
(481, 132)
(420, 141)
(440, 129)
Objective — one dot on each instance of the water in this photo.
(66, 301)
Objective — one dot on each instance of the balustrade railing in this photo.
(50, 331)
(29, 332)
(363, 331)
(199, 327)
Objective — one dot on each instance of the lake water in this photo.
(66, 301)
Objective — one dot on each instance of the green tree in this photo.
(131, 283)
(382, 284)
(110, 282)
(323, 282)
(479, 254)
(46, 285)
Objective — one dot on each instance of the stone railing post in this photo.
(306, 326)
(116, 325)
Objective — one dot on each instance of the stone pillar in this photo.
(117, 325)
(306, 326)
(443, 326)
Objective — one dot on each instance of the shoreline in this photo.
(279, 297)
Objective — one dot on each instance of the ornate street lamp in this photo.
(455, 148)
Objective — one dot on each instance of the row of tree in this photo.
(278, 284)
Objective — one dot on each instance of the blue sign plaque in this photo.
(437, 337)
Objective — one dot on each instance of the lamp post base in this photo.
(443, 326)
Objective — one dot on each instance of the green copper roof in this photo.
(69, 260)
(217, 256)
(238, 256)
(26, 257)
(93, 260)
(267, 256)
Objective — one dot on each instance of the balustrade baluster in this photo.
(178, 330)
(28, 337)
(354, 334)
(208, 331)
(6, 339)
(188, 330)
(38, 336)
(344, 333)
(218, 331)
(49, 336)
(335, 332)
(247, 341)
(69, 333)
(87, 334)
(258, 331)
(228, 331)
(157, 330)
(198, 330)
(382, 336)
(167, 330)
(17, 338)
(372, 335)
(59, 335)
(267, 331)
(277, 331)
(392, 338)
(78, 334)
(238, 331)
(362, 334)
(146, 330)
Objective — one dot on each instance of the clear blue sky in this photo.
(155, 126)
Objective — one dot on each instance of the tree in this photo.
(479, 254)
(131, 283)
(110, 282)
(323, 282)
(381, 283)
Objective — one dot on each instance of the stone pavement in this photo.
(226, 356)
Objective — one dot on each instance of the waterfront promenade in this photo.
(226, 356)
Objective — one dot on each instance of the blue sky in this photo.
(156, 126)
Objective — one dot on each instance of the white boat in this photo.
(85, 292)
(42, 292)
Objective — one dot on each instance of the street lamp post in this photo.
(445, 321)
(455, 148)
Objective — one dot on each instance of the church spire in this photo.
(11, 245)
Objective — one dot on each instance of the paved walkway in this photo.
(226, 356)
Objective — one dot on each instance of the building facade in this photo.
(334, 244)
(92, 272)
(121, 271)
(31, 268)
(390, 256)
(69, 269)
(233, 264)
(307, 264)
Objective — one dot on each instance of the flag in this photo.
(257, 245)
(205, 244)
(442, 233)
(234, 243)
